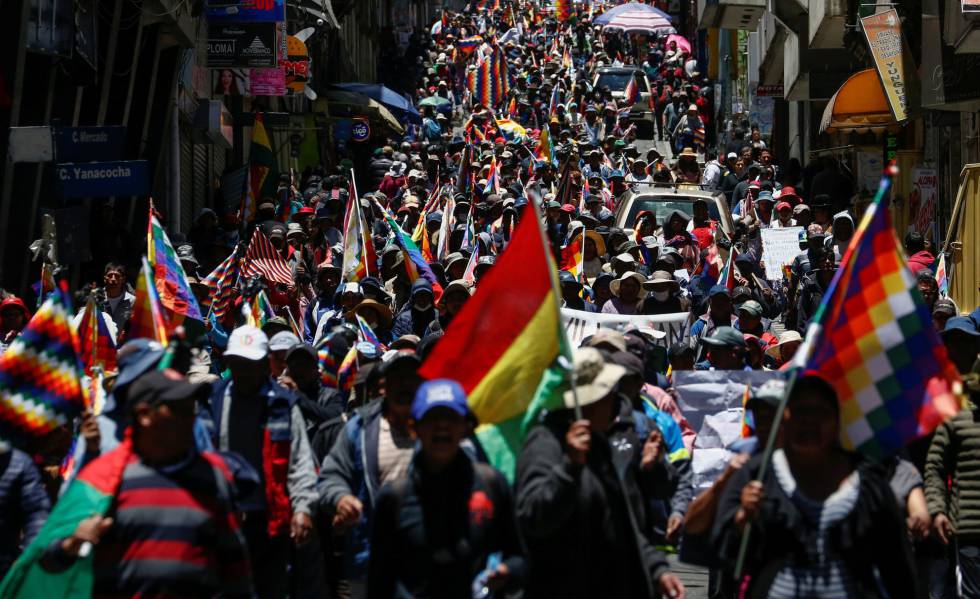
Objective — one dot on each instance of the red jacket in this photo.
(920, 260)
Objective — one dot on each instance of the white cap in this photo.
(283, 340)
(352, 287)
(248, 342)
(732, 155)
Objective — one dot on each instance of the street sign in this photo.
(241, 45)
(103, 179)
(83, 144)
(360, 131)
(30, 144)
(253, 11)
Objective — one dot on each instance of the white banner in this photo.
(579, 324)
(779, 248)
(711, 400)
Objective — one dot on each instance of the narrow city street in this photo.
(449, 299)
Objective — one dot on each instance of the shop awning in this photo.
(859, 105)
(355, 104)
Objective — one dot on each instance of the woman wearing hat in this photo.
(377, 316)
(781, 353)
(627, 292)
(687, 170)
(665, 295)
(593, 255)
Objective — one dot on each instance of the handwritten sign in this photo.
(779, 248)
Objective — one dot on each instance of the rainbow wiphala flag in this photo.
(40, 373)
(872, 338)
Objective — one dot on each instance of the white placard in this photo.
(779, 248)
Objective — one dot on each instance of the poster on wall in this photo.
(869, 166)
(922, 199)
(761, 110)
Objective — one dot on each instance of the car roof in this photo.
(617, 70)
(680, 193)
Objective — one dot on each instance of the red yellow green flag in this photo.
(507, 347)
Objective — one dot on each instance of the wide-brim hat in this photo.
(384, 312)
(787, 337)
(600, 244)
(689, 152)
(661, 278)
(640, 279)
(594, 378)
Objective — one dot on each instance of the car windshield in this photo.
(662, 206)
(616, 82)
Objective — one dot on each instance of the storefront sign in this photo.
(241, 45)
(922, 199)
(75, 144)
(360, 130)
(247, 11)
(267, 82)
(769, 91)
(296, 65)
(103, 179)
(884, 34)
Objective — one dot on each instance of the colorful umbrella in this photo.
(637, 21)
(682, 43)
(615, 11)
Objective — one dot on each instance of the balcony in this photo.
(730, 14)
(827, 19)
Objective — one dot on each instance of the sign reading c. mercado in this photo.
(884, 34)
(103, 179)
(241, 45)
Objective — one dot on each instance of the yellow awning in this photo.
(859, 105)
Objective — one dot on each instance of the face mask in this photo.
(660, 295)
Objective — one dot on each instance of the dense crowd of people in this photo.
(251, 466)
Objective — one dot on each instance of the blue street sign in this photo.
(103, 179)
(83, 144)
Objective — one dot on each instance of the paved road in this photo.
(695, 578)
(645, 144)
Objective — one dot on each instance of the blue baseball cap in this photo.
(715, 290)
(963, 324)
(439, 393)
(765, 196)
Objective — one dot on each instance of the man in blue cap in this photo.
(446, 501)
(962, 341)
(725, 350)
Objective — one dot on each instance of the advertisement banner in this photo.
(247, 11)
(670, 328)
(884, 34)
(922, 199)
(241, 45)
(249, 82)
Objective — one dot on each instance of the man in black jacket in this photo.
(584, 519)
(450, 520)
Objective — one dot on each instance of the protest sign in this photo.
(779, 248)
(579, 324)
(711, 400)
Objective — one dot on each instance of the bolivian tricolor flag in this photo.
(507, 346)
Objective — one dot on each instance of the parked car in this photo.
(616, 79)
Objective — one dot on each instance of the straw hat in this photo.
(640, 279)
(600, 244)
(787, 337)
(594, 378)
(661, 279)
(383, 311)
